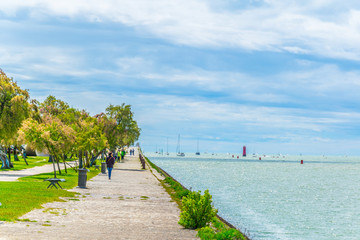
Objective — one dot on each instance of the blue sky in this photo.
(276, 76)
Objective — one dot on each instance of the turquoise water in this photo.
(277, 197)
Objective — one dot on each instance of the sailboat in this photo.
(178, 152)
(197, 152)
(167, 146)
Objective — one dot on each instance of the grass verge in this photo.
(217, 229)
(18, 198)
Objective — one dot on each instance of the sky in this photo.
(276, 76)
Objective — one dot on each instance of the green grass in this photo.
(31, 192)
(32, 161)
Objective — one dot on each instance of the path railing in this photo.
(142, 159)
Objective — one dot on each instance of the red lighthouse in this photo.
(244, 151)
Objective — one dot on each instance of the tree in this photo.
(122, 129)
(45, 131)
(51, 136)
(14, 108)
(90, 138)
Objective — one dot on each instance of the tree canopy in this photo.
(14, 107)
(52, 126)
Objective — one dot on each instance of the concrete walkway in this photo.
(132, 205)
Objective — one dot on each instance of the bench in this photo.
(54, 181)
(97, 167)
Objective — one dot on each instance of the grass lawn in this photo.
(32, 161)
(18, 198)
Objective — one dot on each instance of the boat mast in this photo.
(178, 145)
(167, 146)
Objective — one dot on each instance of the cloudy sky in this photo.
(277, 76)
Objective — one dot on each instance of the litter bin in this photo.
(82, 177)
(103, 167)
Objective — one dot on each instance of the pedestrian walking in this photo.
(110, 161)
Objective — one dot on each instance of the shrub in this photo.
(207, 233)
(196, 210)
(180, 192)
(229, 234)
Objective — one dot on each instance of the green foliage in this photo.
(14, 107)
(207, 233)
(52, 135)
(219, 231)
(196, 210)
(90, 137)
(180, 192)
(119, 126)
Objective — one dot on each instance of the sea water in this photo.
(277, 197)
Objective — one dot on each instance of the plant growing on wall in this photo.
(197, 210)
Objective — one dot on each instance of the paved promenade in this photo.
(132, 205)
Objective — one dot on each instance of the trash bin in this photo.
(82, 177)
(103, 167)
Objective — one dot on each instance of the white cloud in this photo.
(306, 27)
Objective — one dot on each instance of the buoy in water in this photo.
(302, 162)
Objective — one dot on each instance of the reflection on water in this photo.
(277, 197)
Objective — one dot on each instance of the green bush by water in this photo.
(180, 192)
(208, 233)
(197, 210)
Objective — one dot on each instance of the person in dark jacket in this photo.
(110, 161)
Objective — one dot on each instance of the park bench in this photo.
(54, 181)
(97, 167)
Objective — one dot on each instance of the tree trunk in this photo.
(80, 159)
(24, 156)
(9, 163)
(53, 162)
(57, 162)
(65, 163)
(3, 159)
(5, 162)
(93, 159)
(87, 162)
(23, 153)
(16, 158)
